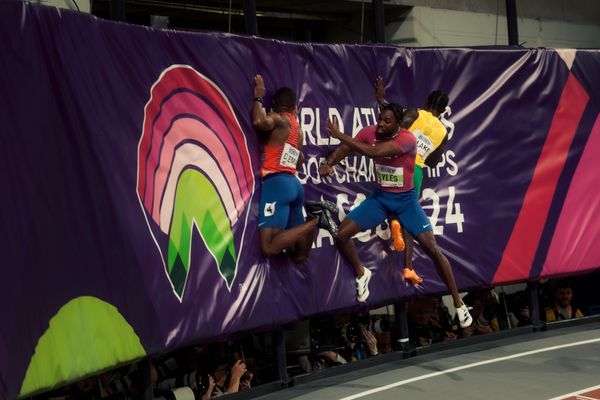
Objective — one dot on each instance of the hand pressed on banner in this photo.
(259, 86)
(333, 128)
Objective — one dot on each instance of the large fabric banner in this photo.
(131, 187)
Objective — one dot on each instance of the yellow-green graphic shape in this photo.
(85, 336)
(198, 204)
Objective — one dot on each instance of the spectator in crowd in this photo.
(383, 335)
(323, 342)
(562, 308)
(485, 317)
(86, 389)
(423, 330)
(187, 370)
(327, 359)
(441, 316)
(518, 309)
(358, 340)
(231, 376)
(485, 312)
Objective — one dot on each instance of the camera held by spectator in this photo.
(231, 375)
(196, 380)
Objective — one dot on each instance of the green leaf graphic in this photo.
(198, 204)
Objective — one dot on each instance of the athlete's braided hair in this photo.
(284, 99)
(396, 109)
(437, 102)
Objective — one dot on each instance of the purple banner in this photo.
(131, 186)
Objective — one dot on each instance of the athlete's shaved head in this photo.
(284, 100)
(437, 102)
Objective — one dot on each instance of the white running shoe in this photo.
(362, 286)
(464, 317)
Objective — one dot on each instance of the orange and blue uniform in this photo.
(282, 195)
(283, 158)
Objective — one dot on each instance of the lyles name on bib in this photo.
(390, 176)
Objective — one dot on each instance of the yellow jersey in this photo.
(429, 132)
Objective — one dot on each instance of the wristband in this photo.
(259, 99)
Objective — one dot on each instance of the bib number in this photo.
(289, 156)
(424, 145)
(390, 176)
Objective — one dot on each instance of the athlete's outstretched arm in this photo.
(384, 149)
(260, 119)
(379, 91)
(333, 158)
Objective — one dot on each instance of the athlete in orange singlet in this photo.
(281, 222)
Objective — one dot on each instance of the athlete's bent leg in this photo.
(409, 272)
(344, 242)
(408, 248)
(299, 253)
(274, 240)
(427, 241)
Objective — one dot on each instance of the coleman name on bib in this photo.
(389, 176)
(289, 156)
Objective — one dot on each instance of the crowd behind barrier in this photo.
(215, 369)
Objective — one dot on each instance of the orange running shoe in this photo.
(411, 275)
(397, 240)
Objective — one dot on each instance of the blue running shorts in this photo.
(281, 201)
(380, 205)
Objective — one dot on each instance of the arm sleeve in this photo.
(406, 143)
(364, 134)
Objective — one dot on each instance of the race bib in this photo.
(389, 176)
(289, 156)
(424, 145)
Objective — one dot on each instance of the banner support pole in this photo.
(250, 17)
(117, 10)
(534, 306)
(511, 20)
(280, 360)
(378, 21)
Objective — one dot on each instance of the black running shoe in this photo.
(326, 222)
(328, 205)
(321, 210)
(313, 210)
